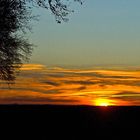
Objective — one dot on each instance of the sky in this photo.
(38, 84)
(93, 59)
(99, 32)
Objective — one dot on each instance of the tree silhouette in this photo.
(60, 8)
(15, 16)
(13, 46)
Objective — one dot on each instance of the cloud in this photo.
(23, 100)
(126, 95)
(36, 83)
(51, 83)
(126, 98)
(28, 67)
(82, 82)
(100, 75)
(81, 88)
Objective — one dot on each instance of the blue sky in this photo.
(100, 32)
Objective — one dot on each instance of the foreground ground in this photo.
(45, 121)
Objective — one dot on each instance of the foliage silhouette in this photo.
(15, 16)
(13, 46)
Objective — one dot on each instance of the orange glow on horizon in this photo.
(103, 102)
(38, 84)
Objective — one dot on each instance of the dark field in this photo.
(74, 122)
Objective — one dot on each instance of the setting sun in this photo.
(102, 102)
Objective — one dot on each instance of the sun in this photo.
(102, 102)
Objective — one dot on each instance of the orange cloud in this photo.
(32, 67)
(38, 84)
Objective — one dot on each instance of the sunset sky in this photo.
(38, 84)
(93, 59)
(100, 32)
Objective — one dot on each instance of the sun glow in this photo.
(102, 102)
